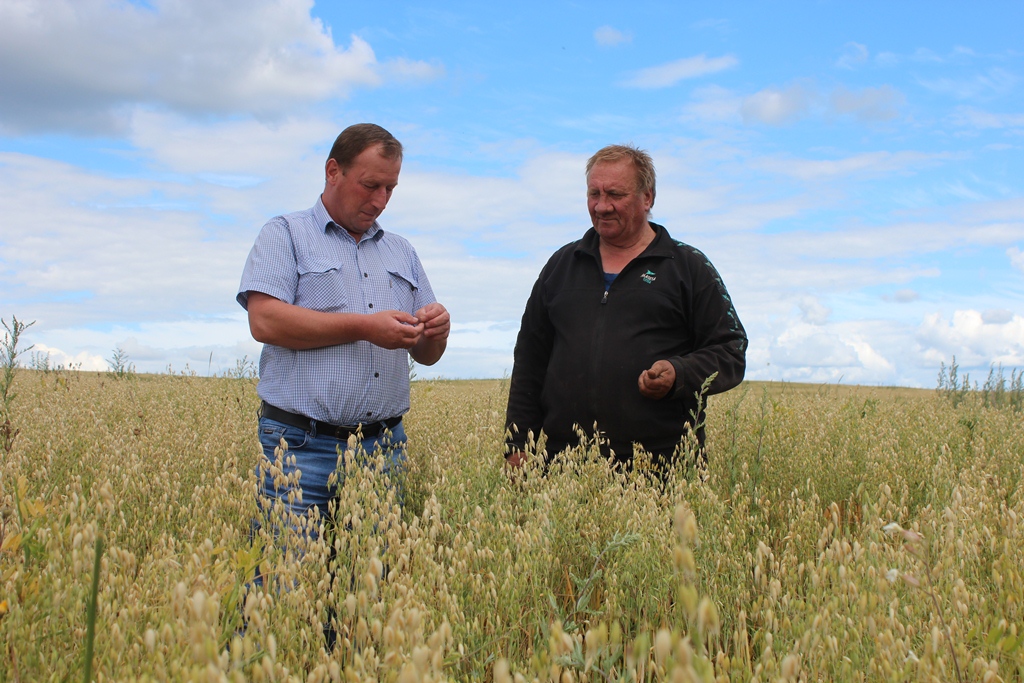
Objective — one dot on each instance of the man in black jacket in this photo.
(622, 329)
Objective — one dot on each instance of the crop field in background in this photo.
(838, 534)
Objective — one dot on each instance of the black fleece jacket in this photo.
(581, 349)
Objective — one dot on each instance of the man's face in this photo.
(618, 210)
(354, 197)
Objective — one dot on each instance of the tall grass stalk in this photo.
(90, 616)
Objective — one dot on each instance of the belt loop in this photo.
(312, 428)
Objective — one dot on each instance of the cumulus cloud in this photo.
(869, 104)
(853, 54)
(975, 340)
(776, 107)
(666, 75)
(844, 351)
(807, 346)
(606, 36)
(81, 65)
(812, 311)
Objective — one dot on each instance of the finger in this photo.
(439, 321)
(403, 317)
(429, 312)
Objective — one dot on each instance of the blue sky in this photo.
(854, 170)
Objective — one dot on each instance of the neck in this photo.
(615, 257)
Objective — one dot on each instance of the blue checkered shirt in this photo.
(305, 259)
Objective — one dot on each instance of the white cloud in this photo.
(81, 65)
(1016, 258)
(925, 56)
(853, 54)
(998, 316)
(972, 117)
(808, 346)
(606, 36)
(869, 104)
(776, 107)
(904, 296)
(842, 351)
(244, 148)
(718, 25)
(713, 104)
(54, 357)
(866, 165)
(974, 340)
(812, 311)
(208, 345)
(666, 75)
(887, 59)
(108, 249)
(996, 81)
(404, 70)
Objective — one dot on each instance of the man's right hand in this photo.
(394, 330)
(515, 459)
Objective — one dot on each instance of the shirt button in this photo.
(369, 414)
(376, 374)
(366, 275)
(371, 305)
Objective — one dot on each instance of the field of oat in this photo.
(839, 534)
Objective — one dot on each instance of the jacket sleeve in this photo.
(720, 342)
(525, 412)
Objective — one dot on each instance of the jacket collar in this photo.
(662, 244)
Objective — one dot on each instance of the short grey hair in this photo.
(642, 162)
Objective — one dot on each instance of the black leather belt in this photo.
(369, 430)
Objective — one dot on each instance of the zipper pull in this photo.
(604, 299)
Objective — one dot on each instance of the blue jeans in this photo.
(316, 457)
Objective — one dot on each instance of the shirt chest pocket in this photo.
(403, 286)
(321, 286)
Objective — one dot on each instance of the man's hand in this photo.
(436, 321)
(658, 380)
(394, 330)
(516, 459)
(436, 326)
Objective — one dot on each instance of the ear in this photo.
(332, 171)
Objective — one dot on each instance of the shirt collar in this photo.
(323, 221)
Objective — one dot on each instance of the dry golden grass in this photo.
(842, 533)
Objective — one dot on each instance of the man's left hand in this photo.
(436, 321)
(436, 326)
(658, 380)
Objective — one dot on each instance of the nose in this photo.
(379, 198)
(602, 205)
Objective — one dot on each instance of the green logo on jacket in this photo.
(648, 277)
